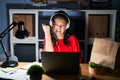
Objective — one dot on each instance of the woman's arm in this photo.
(48, 46)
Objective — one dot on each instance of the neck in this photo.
(60, 37)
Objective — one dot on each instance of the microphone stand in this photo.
(7, 63)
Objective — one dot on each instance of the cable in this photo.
(58, 46)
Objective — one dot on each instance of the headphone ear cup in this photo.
(67, 26)
(50, 23)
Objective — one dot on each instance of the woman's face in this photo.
(59, 27)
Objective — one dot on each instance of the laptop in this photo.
(60, 62)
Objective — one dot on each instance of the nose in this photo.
(59, 26)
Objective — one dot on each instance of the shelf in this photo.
(26, 40)
(81, 19)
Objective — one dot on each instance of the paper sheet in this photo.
(19, 74)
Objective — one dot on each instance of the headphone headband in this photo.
(68, 24)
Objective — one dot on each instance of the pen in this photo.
(12, 72)
(23, 68)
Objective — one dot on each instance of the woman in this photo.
(61, 40)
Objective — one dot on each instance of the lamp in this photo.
(20, 32)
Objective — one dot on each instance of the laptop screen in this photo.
(60, 62)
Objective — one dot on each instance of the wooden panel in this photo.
(28, 23)
(98, 25)
(104, 26)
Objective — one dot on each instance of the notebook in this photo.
(60, 62)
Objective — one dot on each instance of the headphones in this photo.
(62, 13)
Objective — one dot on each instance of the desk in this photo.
(83, 72)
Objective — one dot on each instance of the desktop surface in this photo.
(83, 73)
